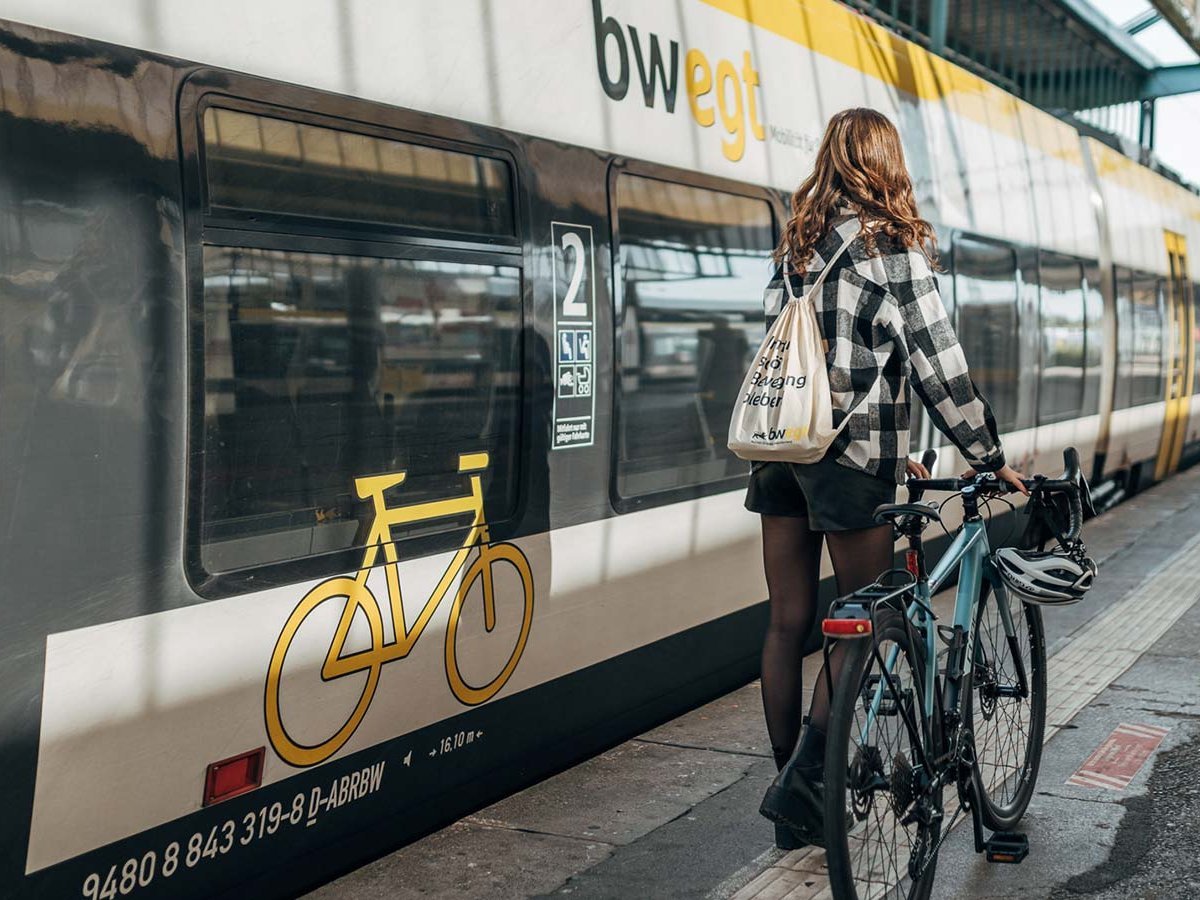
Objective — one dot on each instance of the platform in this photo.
(673, 812)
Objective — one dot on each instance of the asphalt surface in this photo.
(672, 813)
(1156, 853)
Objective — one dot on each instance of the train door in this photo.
(1179, 362)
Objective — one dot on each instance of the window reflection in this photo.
(320, 368)
(1124, 289)
(264, 164)
(1094, 342)
(1060, 394)
(693, 264)
(1147, 340)
(985, 290)
(1193, 290)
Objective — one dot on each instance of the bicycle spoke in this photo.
(879, 844)
(1002, 721)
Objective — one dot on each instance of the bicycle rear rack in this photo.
(852, 616)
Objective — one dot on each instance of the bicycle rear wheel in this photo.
(877, 847)
(1009, 723)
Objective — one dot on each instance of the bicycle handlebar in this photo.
(986, 482)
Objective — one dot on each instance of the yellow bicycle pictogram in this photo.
(357, 597)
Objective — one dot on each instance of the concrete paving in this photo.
(672, 813)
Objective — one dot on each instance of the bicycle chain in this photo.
(964, 752)
(931, 855)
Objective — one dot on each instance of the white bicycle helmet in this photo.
(1051, 578)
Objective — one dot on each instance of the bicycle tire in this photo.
(294, 752)
(489, 555)
(844, 827)
(992, 718)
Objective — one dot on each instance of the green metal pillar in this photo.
(938, 23)
(1146, 126)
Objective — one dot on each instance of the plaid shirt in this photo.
(885, 328)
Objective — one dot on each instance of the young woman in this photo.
(885, 329)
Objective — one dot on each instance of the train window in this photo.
(693, 265)
(1147, 339)
(1093, 339)
(1195, 297)
(1123, 281)
(1060, 395)
(319, 368)
(985, 292)
(1029, 335)
(263, 164)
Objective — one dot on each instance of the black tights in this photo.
(792, 559)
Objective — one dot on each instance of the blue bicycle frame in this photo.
(969, 553)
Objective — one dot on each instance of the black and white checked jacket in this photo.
(885, 328)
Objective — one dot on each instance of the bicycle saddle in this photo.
(890, 512)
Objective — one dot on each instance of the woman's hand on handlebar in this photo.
(1013, 477)
(916, 470)
(1008, 475)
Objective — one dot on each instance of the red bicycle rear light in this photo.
(234, 776)
(846, 628)
(912, 563)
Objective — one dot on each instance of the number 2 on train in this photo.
(572, 307)
(356, 597)
(577, 252)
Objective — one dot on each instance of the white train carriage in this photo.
(365, 375)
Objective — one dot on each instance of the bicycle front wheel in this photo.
(881, 829)
(483, 569)
(1005, 705)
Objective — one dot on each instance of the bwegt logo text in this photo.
(736, 91)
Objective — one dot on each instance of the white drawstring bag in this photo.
(785, 411)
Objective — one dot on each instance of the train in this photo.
(365, 378)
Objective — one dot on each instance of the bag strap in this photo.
(816, 285)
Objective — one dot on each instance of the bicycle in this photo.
(906, 722)
(358, 597)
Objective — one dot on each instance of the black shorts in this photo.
(833, 497)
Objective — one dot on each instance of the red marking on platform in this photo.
(1115, 762)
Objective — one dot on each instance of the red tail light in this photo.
(231, 777)
(846, 628)
(911, 563)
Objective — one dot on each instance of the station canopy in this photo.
(1070, 57)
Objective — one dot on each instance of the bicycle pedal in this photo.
(1006, 847)
(871, 688)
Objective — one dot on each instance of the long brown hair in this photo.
(860, 164)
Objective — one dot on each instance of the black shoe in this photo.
(796, 798)
(787, 838)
